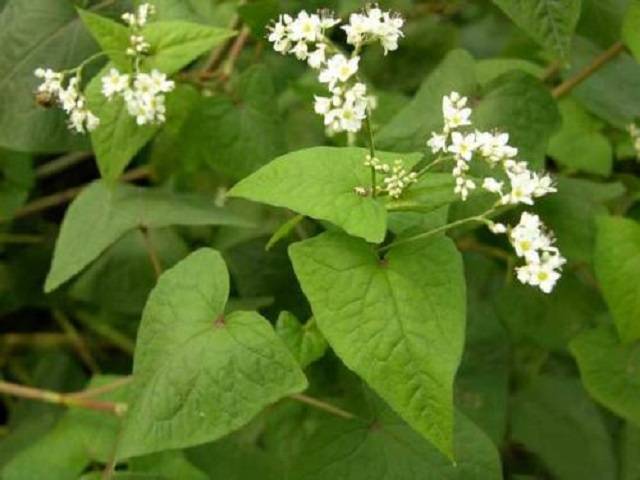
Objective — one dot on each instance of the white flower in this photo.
(114, 83)
(498, 228)
(492, 185)
(338, 68)
(140, 17)
(322, 105)
(317, 58)
(495, 148)
(437, 142)
(51, 81)
(463, 146)
(463, 187)
(455, 112)
(160, 83)
(374, 25)
(70, 98)
(301, 51)
(305, 28)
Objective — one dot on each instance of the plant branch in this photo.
(60, 198)
(326, 407)
(60, 164)
(372, 153)
(19, 239)
(234, 52)
(568, 85)
(66, 400)
(153, 253)
(435, 231)
(76, 340)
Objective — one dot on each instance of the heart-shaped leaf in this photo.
(198, 375)
(397, 322)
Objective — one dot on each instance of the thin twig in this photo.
(62, 163)
(61, 399)
(151, 250)
(110, 387)
(110, 334)
(79, 343)
(217, 55)
(551, 71)
(35, 340)
(234, 52)
(20, 239)
(470, 244)
(65, 196)
(568, 85)
(327, 407)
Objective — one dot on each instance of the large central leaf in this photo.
(398, 323)
(198, 374)
(319, 182)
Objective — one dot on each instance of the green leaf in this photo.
(305, 342)
(410, 128)
(113, 37)
(168, 465)
(631, 28)
(611, 93)
(629, 461)
(385, 448)
(489, 69)
(399, 328)
(319, 183)
(610, 371)
(549, 22)
(80, 437)
(617, 265)
(175, 44)
(199, 374)
(236, 135)
(548, 321)
(580, 144)
(122, 277)
(554, 419)
(16, 181)
(518, 104)
(118, 137)
(571, 214)
(37, 33)
(431, 192)
(101, 215)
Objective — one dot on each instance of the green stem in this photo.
(437, 161)
(477, 218)
(372, 153)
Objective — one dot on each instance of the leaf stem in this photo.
(477, 218)
(151, 249)
(372, 153)
(19, 239)
(61, 163)
(60, 198)
(568, 85)
(326, 407)
(62, 399)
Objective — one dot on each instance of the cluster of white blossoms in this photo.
(535, 244)
(396, 178)
(143, 93)
(136, 20)
(521, 185)
(515, 185)
(304, 36)
(70, 99)
(634, 131)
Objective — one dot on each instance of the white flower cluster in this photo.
(374, 25)
(304, 36)
(70, 98)
(516, 185)
(136, 20)
(634, 131)
(396, 177)
(535, 244)
(493, 148)
(143, 93)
